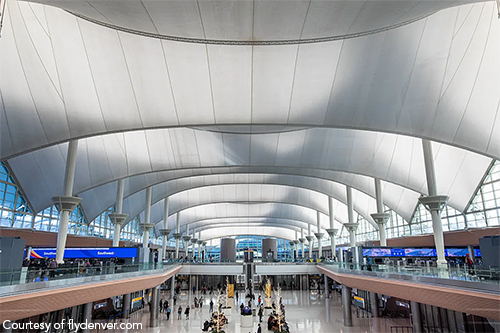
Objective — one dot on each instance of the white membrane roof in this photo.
(270, 105)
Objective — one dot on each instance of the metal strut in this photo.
(2, 14)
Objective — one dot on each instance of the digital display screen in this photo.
(455, 252)
(424, 252)
(415, 252)
(86, 252)
(377, 252)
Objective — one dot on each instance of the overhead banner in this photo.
(85, 252)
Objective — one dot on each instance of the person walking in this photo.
(236, 295)
(259, 329)
(469, 264)
(161, 305)
(52, 267)
(186, 312)
(175, 299)
(168, 312)
(179, 313)
(261, 313)
(211, 306)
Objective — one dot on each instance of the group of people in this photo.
(198, 302)
(274, 323)
(165, 308)
(43, 268)
(216, 318)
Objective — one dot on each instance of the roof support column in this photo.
(310, 239)
(204, 244)
(147, 225)
(194, 241)
(351, 226)
(117, 217)
(177, 234)
(302, 240)
(434, 203)
(186, 241)
(331, 231)
(296, 247)
(200, 246)
(319, 235)
(164, 231)
(67, 203)
(380, 217)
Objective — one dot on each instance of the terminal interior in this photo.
(250, 166)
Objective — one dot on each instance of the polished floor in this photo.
(305, 312)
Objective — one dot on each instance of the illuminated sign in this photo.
(360, 301)
(404, 305)
(86, 252)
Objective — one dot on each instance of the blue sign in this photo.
(397, 252)
(477, 252)
(86, 252)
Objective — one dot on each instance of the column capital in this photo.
(164, 232)
(117, 218)
(291, 243)
(64, 203)
(200, 242)
(310, 239)
(295, 241)
(146, 226)
(186, 238)
(302, 240)
(332, 232)
(204, 243)
(380, 218)
(194, 240)
(435, 203)
(319, 235)
(177, 235)
(351, 227)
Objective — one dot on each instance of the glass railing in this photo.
(36, 274)
(240, 262)
(472, 274)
